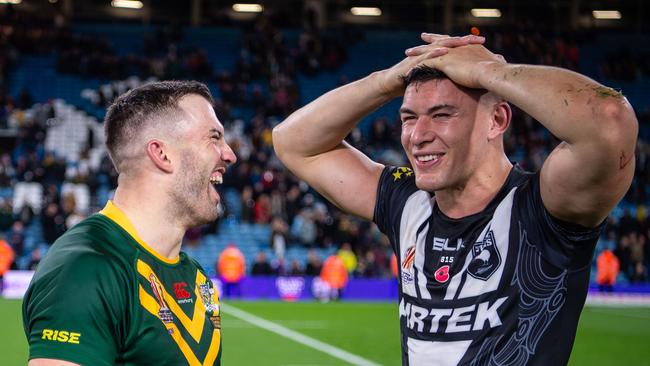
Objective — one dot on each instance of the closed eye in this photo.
(407, 118)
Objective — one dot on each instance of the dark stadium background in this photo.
(62, 62)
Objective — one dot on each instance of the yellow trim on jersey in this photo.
(114, 213)
(193, 326)
(213, 351)
(152, 306)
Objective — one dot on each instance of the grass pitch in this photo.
(606, 336)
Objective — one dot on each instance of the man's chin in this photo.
(426, 184)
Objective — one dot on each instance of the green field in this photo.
(606, 336)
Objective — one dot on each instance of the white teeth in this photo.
(425, 158)
(216, 180)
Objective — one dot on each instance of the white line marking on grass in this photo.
(292, 324)
(297, 337)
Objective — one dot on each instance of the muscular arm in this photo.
(592, 168)
(310, 141)
(590, 171)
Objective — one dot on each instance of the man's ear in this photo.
(158, 153)
(501, 116)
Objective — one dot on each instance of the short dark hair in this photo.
(423, 73)
(131, 112)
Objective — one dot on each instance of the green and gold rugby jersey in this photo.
(102, 296)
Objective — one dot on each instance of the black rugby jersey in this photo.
(504, 286)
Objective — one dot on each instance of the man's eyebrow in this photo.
(438, 107)
(431, 110)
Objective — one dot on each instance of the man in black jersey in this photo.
(494, 261)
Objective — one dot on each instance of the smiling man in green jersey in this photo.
(116, 289)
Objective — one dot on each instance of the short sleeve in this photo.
(563, 244)
(396, 185)
(74, 311)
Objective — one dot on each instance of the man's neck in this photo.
(151, 221)
(476, 194)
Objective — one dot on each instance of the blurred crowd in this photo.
(263, 81)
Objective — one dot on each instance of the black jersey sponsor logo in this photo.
(486, 257)
(444, 245)
(163, 313)
(470, 318)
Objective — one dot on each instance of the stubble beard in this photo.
(190, 201)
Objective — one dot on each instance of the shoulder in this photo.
(88, 257)
(564, 244)
(396, 188)
(96, 240)
(396, 184)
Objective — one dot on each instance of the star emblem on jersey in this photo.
(397, 175)
(486, 257)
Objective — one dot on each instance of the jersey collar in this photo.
(115, 214)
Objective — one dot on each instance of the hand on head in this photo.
(460, 58)
(436, 47)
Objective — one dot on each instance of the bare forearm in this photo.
(573, 107)
(321, 125)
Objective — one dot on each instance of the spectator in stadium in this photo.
(53, 222)
(335, 275)
(314, 263)
(462, 212)
(7, 257)
(295, 269)
(17, 239)
(607, 267)
(261, 266)
(348, 257)
(34, 259)
(118, 265)
(231, 267)
(279, 236)
(6, 214)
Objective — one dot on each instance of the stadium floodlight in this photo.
(486, 13)
(128, 4)
(365, 11)
(606, 14)
(247, 8)
(13, 2)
